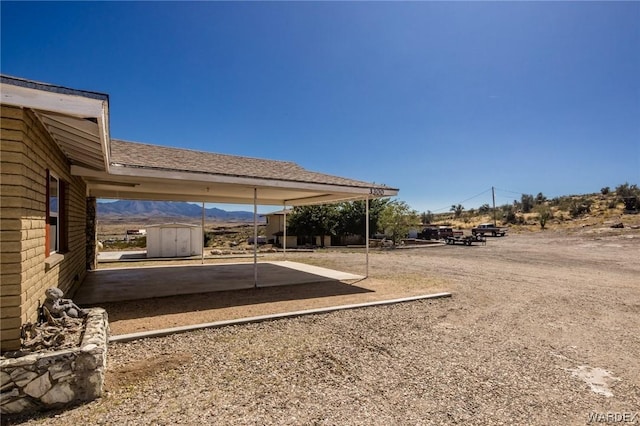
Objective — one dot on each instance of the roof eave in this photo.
(46, 98)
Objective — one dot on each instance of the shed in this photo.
(174, 240)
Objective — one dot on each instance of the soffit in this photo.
(76, 120)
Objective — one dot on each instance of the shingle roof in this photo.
(141, 155)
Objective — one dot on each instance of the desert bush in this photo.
(528, 202)
(580, 207)
(605, 190)
(509, 214)
(544, 213)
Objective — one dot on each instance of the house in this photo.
(57, 157)
(275, 232)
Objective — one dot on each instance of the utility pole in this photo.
(493, 195)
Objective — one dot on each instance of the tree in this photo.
(457, 210)
(311, 221)
(629, 195)
(351, 217)
(484, 209)
(426, 217)
(527, 201)
(397, 219)
(508, 214)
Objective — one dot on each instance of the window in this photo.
(55, 236)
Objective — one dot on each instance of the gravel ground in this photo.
(526, 311)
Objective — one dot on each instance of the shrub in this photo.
(580, 207)
(544, 213)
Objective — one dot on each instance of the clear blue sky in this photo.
(440, 99)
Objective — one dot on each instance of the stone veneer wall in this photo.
(47, 380)
(27, 151)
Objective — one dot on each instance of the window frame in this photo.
(60, 237)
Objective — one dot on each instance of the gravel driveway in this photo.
(530, 313)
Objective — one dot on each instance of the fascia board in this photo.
(245, 181)
(77, 106)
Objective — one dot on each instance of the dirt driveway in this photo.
(533, 317)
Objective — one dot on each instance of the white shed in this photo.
(174, 240)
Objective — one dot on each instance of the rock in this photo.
(17, 406)
(618, 225)
(4, 379)
(89, 347)
(21, 377)
(59, 394)
(84, 362)
(39, 386)
(60, 369)
(8, 396)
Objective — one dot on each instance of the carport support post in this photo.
(202, 259)
(284, 233)
(367, 235)
(255, 237)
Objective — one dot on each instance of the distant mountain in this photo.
(144, 209)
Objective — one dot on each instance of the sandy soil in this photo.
(532, 318)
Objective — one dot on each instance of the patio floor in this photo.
(121, 284)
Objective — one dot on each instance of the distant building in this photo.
(275, 232)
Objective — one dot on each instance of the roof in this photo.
(142, 155)
(78, 122)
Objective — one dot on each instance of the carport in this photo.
(78, 122)
(150, 172)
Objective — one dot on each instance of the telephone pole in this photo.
(493, 195)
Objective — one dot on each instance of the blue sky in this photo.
(440, 99)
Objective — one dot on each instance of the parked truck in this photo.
(433, 232)
(485, 229)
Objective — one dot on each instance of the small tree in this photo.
(351, 217)
(508, 214)
(426, 217)
(457, 210)
(528, 202)
(311, 221)
(397, 219)
(544, 213)
(484, 209)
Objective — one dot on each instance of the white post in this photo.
(367, 235)
(203, 233)
(284, 234)
(255, 237)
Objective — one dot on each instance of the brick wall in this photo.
(27, 151)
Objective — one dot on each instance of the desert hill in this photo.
(140, 210)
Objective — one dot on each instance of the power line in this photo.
(464, 201)
(512, 192)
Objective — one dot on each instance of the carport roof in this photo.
(78, 122)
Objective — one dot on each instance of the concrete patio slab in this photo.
(120, 284)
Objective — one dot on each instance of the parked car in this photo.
(485, 229)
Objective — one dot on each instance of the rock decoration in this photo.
(61, 327)
(57, 378)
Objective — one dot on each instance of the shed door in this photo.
(183, 242)
(168, 242)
